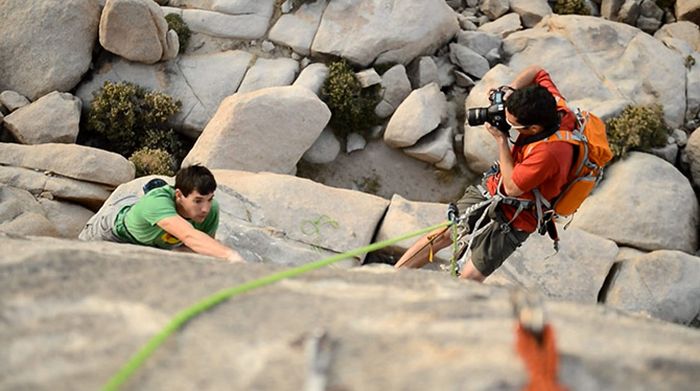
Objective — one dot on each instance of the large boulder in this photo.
(313, 77)
(394, 331)
(297, 30)
(395, 88)
(70, 160)
(419, 114)
(644, 202)
(577, 272)
(593, 58)
(137, 31)
(687, 31)
(365, 31)
(21, 214)
(53, 118)
(662, 284)
(272, 72)
(46, 46)
(264, 130)
(247, 19)
(200, 82)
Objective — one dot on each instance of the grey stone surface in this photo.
(312, 77)
(43, 30)
(13, 100)
(468, 60)
(410, 330)
(21, 214)
(324, 150)
(70, 160)
(395, 88)
(297, 29)
(422, 71)
(662, 284)
(530, 11)
(68, 218)
(433, 147)
(503, 26)
(419, 114)
(650, 224)
(479, 41)
(687, 31)
(272, 72)
(263, 130)
(53, 118)
(365, 31)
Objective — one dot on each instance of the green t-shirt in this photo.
(137, 223)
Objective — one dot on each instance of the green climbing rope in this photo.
(208, 302)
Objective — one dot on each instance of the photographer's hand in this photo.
(505, 160)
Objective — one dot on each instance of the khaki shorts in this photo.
(497, 242)
(101, 225)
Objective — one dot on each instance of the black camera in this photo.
(494, 114)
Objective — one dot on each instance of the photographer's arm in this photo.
(505, 161)
(526, 77)
(196, 240)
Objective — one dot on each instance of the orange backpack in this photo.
(591, 153)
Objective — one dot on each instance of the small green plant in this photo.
(124, 114)
(152, 162)
(369, 184)
(176, 23)
(571, 7)
(352, 107)
(637, 127)
(689, 61)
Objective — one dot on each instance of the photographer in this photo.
(499, 215)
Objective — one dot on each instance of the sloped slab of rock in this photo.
(272, 72)
(590, 57)
(200, 82)
(643, 202)
(395, 88)
(70, 160)
(662, 284)
(53, 118)
(324, 150)
(419, 114)
(687, 31)
(381, 323)
(333, 219)
(263, 130)
(297, 30)
(432, 148)
(69, 219)
(363, 31)
(13, 100)
(89, 194)
(39, 30)
(576, 273)
(21, 214)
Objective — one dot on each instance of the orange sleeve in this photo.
(543, 79)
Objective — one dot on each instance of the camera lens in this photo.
(477, 116)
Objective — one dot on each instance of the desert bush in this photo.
(176, 23)
(352, 107)
(569, 7)
(123, 113)
(637, 128)
(152, 162)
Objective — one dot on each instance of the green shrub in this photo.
(637, 127)
(123, 113)
(569, 7)
(165, 139)
(152, 162)
(352, 107)
(176, 23)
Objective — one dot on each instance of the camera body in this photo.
(495, 114)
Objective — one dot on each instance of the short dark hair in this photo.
(195, 177)
(534, 105)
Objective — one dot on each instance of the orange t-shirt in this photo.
(545, 168)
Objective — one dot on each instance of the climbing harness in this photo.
(535, 342)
